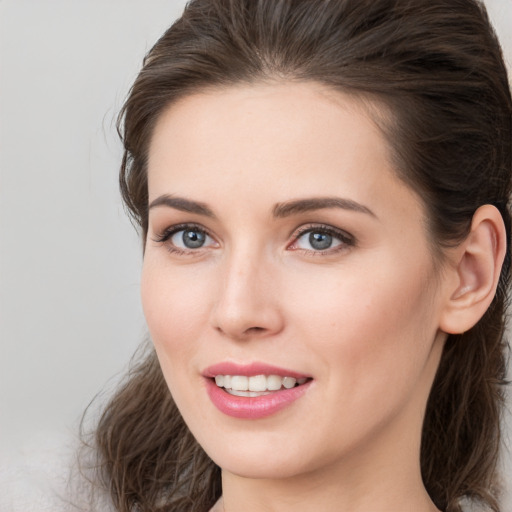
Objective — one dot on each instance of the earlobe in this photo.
(477, 266)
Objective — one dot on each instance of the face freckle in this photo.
(357, 313)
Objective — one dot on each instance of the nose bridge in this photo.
(246, 302)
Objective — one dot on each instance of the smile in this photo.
(257, 385)
(253, 391)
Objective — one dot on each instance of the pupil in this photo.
(320, 241)
(193, 239)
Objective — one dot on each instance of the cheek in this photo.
(175, 304)
(369, 322)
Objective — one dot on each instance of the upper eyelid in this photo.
(169, 231)
(308, 228)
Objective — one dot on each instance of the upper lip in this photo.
(250, 370)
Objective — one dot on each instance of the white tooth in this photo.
(289, 382)
(302, 380)
(238, 393)
(240, 382)
(219, 380)
(227, 381)
(274, 382)
(250, 394)
(257, 383)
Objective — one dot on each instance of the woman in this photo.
(322, 189)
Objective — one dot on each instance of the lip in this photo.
(252, 407)
(250, 370)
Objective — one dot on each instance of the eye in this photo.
(322, 239)
(184, 238)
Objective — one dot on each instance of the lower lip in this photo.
(253, 407)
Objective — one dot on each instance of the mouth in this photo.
(255, 390)
(256, 385)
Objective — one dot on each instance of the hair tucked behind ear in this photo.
(437, 68)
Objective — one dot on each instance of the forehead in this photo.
(277, 141)
(242, 124)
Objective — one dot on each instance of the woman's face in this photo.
(282, 247)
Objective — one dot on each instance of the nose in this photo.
(247, 305)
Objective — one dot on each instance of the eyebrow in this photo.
(182, 204)
(288, 208)
(280, 210)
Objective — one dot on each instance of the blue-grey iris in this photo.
(320, 241)
(193, 239)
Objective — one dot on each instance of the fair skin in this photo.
(345, 292)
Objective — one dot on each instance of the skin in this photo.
(363, 318)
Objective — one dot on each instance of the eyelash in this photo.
(345, 238)
(168, 233)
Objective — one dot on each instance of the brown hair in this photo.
(438, 68)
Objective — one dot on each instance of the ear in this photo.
(475, 271)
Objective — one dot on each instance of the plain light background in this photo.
(70, 316)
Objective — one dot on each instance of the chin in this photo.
(260, 466)
(263, 455)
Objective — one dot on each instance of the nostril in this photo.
(254, 329)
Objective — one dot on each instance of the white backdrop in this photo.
(70, 316)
